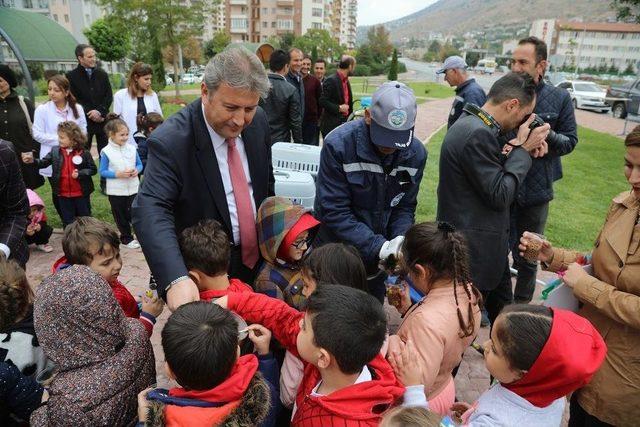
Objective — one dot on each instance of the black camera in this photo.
(537, 122)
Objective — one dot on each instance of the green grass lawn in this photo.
(593, 175)
(424, 91)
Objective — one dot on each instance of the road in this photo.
(425, 71)
(606, 123)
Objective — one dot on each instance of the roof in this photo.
(38, 37)
(607, 27)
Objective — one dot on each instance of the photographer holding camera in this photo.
(529, 212)
(479, 179)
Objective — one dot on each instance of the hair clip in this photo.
(446, 227)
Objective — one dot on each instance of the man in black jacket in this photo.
(529, 212)
(283, 103)
(479, 179)
(294, 76)
(337, 98)
(14, 206)
(90, 85)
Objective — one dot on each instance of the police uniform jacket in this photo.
(363, 198)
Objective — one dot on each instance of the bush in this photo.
(402, 68)
(41, 87)
(362, 70)
(117, 80)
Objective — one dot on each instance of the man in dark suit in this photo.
(210, 160)
(14, 207)
(337, 98)
(294, 76)
(480, 176)
(90, 85)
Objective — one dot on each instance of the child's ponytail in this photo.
(112, 123)
(461, 277)
(443, 250)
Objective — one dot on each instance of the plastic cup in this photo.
(534, 246)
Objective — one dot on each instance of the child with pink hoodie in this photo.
(38, 231)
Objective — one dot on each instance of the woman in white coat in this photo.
(61, 107)
(137, 99)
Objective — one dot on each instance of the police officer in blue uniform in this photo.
(369, 177)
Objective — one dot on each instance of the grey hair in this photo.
(238, 68)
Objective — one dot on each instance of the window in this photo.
(273, 10)
(317, 12)
(265, 10)
(316, 25)
(285, 24)
(265, 24)
(66, 18)
(238, 23)
(55, 17)
(273, 24)
(87, 19)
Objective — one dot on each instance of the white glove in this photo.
(391, 247)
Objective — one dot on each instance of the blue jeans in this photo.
(72, 207)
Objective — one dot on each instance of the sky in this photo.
(378, 11)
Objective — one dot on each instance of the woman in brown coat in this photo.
(611, 301)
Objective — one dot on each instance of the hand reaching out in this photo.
(405, 365)
(260, 337)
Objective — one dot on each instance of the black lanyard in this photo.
(486, 118)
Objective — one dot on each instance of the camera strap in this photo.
(486, 118)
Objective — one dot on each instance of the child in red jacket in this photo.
(346, 380)
(206, 253)
(94, 243)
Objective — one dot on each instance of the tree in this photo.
(435, 47)
(174, 22)
(156, 60)
(217, 44)
(109, 38)
(629, 70)
(473, 58)
(378, 41)
(191, 51)
(325, 45)
(448, 50)
(627, 9)
(314, 54)
(393, 69)
(286, 41)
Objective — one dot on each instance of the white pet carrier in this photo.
(299, 187)
(295, 157)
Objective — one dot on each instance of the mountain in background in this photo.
(456, 17)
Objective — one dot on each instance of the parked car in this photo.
(168, 80)
(188, 78)
(586, 95)
(486, 66)
(631, 91)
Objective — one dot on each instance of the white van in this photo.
(486, 66)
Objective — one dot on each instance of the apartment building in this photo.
(591, 44)
(258, 20)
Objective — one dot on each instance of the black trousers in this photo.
(41, 237)
(578, 417)
(311, 133)
(533, 219)
(238, 270)
(54, 198)
(72, 207)
(121, 210)
(101, 138)
(499, 297)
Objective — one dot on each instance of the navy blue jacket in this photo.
(20, 395)
(554, 105)
(468, 92)
(363, 198)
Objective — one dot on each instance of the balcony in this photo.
(238, 2)
(285, 3)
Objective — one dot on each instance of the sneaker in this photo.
(133, 244)
(45, 248)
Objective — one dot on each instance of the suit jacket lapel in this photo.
(208, 163)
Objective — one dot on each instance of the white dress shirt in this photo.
(45, 127)
(220, 147)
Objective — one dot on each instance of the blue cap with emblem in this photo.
(393, 115)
